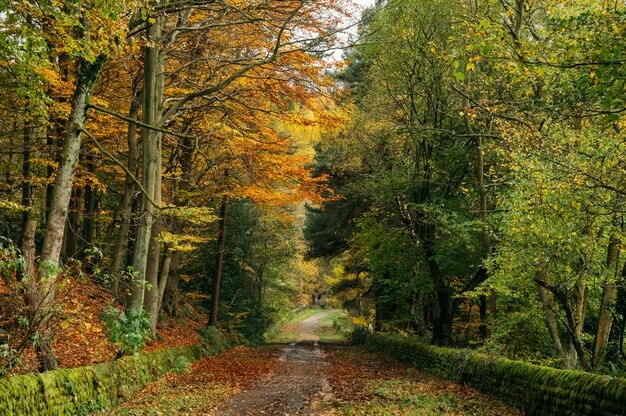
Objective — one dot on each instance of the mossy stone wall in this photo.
(535, 389)
(83, 390)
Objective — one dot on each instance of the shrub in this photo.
(181, 364)
(213, 339)
(128, 330)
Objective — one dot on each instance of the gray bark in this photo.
(126, 205)
(566, 355)
(609, 294)
(170, 296)
(153, 290)
(151, 162)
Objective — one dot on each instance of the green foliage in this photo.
(260, 275)
(11, 261)
(213, 339)
(181, 365)
(128, 329)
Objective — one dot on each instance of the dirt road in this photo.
(297, 386)
(306, 377)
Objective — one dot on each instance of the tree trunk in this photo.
(27, 201)
(152, 290)
(378, 317)
(89, 208)
(126, 205)
(35, 299)
(151, 162)
(55, 226)
(170, 297)
(609, 291)
(575, 315)
(52, 145)
(72, 232)
(482, 305)
(259, 277)
(442, 329)
(219, 258)
(32, 293)
(620, 312)
(164, 277)
(549, 316)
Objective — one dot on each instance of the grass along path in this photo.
(335, 327)
(289, 331)
(327, 325)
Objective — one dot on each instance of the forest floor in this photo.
(80, 336)
(307, 376)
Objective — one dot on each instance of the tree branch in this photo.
(137, 122)
(121, 165)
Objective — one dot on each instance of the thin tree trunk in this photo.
(620, 312)
(378, 317)
(72, 232)
(89, 208)
(259, 275)
(27, 201)
(152, 290)
(442, 329)
(482, 193)
(163, 278)
(549, 317)
(151, 158)
(51, 144)
(126, 205)
(575, 315)
(609, 291)
(29, 225)
(170, 297)
(482, 306)
(219, 258)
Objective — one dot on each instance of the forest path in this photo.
(306, 377)
(297, 385)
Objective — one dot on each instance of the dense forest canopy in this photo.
(481, 171)
(462, 169)
(134, 133)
